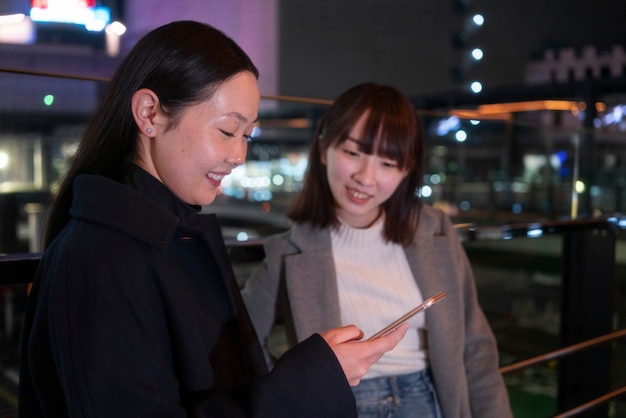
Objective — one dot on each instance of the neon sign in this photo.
(79, 12)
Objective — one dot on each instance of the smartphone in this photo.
(419, 308)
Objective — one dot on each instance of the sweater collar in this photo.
(358, 238)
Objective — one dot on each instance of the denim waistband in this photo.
(398, 396)
(410, 379)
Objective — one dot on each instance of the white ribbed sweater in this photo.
(375, 288)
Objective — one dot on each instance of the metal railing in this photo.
(566, 351)
(588, 268)
(585, 242)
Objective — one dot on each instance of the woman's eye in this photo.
(389, 164)
(228, 134)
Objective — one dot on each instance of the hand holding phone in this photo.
(421, 307)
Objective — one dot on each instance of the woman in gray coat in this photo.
(364, 249)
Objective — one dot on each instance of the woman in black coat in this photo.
(135, 310)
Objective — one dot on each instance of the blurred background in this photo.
(522, 105)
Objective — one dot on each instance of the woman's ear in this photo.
(145, 105)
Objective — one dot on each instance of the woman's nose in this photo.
(366, 172)
(238, 153)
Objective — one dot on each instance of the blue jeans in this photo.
(404, 396)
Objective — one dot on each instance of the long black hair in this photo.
(183, 63)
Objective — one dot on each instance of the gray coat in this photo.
(298, 280)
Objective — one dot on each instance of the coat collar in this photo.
(143, 208)
(307, 238)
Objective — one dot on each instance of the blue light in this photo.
(476, 87)
(94, 19)
(618, 222)
(446, 125)
(256, 132)
(242, 236)
(614, 116)
(426, 191)
(561, 155)
(477, 54)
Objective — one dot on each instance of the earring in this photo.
(149, 131)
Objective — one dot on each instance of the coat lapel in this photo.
(311, 282)
(213, 239)
(433, 272)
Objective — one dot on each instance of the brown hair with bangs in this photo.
(393, 131)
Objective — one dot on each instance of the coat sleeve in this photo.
(307, 381)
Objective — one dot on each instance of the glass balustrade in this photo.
(484, 169)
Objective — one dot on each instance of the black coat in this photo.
(135, 311)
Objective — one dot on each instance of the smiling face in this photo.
(360, 183)
(208, 140)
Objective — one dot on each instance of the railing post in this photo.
(586, 312)
(9, 212)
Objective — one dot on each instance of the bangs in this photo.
(388, 134)
(392, 129)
